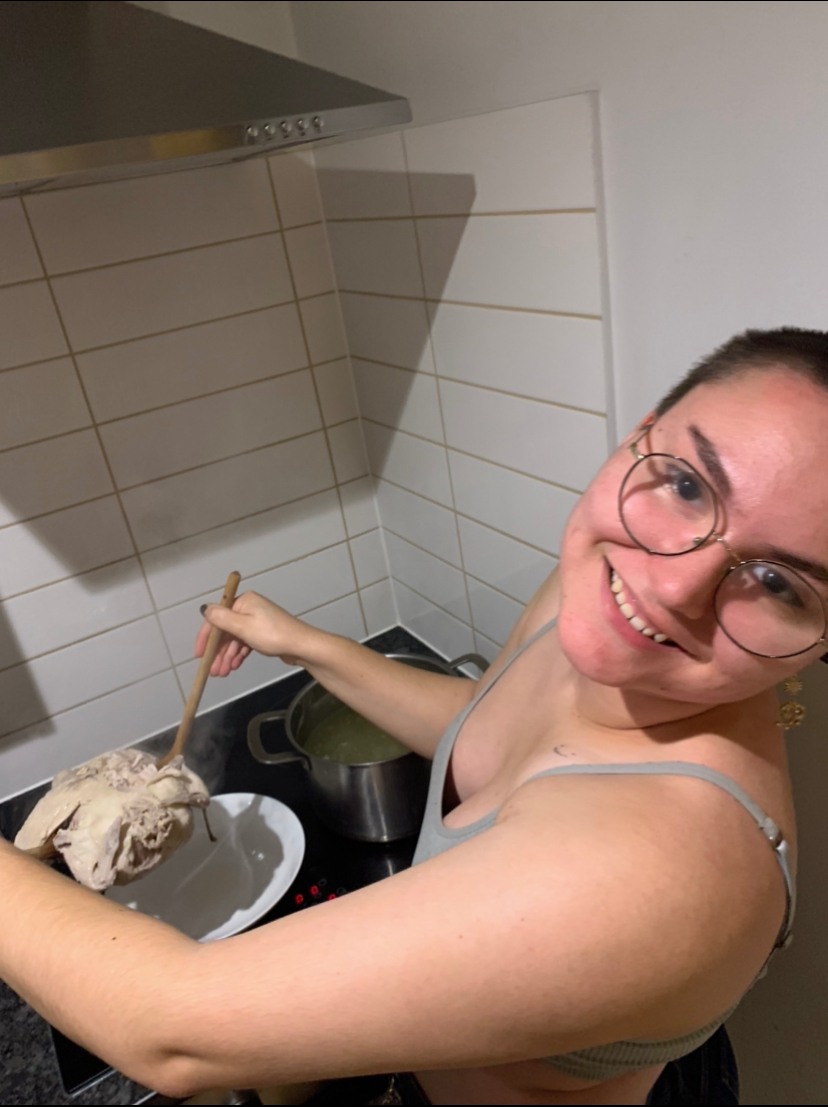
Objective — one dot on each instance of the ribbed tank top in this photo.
(602, 1062)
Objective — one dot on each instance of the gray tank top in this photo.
(603, 1062)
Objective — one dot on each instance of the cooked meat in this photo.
(114, 818)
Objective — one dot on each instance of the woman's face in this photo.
(760, 439)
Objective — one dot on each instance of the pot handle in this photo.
(256, 747)
(469, 659)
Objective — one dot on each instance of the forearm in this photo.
(104, 975)
(414, 705)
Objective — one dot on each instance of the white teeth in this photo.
(627, 610)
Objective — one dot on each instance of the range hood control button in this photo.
(286, 128)
(253, 132)
(269, 130)
(318, 122)
(301, 126)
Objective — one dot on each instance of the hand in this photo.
(253, 623)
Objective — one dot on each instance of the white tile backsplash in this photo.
(81, 606)
(428, 575)
(100, 306)
(183, 505)
(86, 670)
(34, 755)
(503, 562)
(29, 324)
(348, 451)
(419, 520)
(359, 505)
(533, 158)
(379, 606)
(101, 224)
(310, 260)
(366, 177)
(376, 256)
(295, 184)
(394, 332)
(322, 323)
(536, 262)
(40, 401)
(548, 357)
(185, 364)
(46, 476)
(198, 565)
(18, 258)
(195, 433)
(370, 562)
(335, 384)
(525, 508)
(399, 398)
(208, 354)
(433, 624)
(410, 462)
(62, 544)
(536, 438)
(493, 613)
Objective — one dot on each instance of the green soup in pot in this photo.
(345, 736)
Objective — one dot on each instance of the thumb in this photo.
(223, 618)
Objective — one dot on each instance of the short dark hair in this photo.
(803, 351)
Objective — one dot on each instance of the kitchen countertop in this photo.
(217, 751)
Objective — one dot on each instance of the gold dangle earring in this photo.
(791, 711)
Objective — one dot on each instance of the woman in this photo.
(605, 865)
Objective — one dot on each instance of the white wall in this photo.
(713, 123)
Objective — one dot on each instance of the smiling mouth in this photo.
(627, 610)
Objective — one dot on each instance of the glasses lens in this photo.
(768, 609)
(666, 506)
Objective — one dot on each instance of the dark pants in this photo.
(708, 1075)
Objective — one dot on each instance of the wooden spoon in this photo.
(210, 651)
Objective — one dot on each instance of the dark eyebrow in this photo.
(801, 564)
(707, 452)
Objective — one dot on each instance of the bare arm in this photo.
(413, 705)
(540, 936)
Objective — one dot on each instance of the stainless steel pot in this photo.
(377, 801)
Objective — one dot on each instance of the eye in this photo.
(686, 485)
(776, 584)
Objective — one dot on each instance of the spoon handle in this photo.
(210, 651)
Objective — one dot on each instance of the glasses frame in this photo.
(736, 558)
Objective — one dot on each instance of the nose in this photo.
(686, 583)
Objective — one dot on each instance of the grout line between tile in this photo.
(60, 274)
(476, 384)
(469, 304)
(150, 334)
(509, 214)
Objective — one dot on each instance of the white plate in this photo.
(215, 889)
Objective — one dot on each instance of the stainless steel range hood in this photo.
(91, 91)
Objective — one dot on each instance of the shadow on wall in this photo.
(382, 258)
(367, 268)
